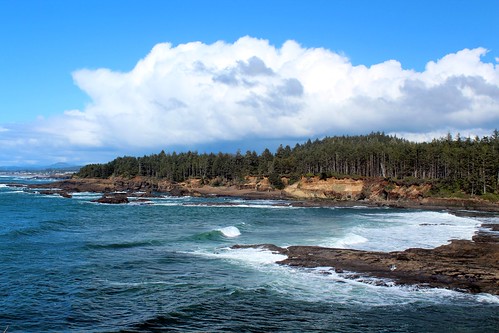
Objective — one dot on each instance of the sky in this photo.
(85, 81)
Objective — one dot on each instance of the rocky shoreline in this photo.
(309, 193)
(463, 265)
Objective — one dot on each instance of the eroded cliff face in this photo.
(343, 189)
(331, 188)
(375, 191)
(354, 189)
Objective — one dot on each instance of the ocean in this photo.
(70, 265)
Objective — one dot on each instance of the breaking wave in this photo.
(230, 232)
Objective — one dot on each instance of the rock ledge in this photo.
(463, 265)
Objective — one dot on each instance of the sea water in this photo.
(71, 265)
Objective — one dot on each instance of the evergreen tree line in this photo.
(456, 164)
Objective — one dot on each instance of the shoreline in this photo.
(465, 265)
(462, 265)
(149, 187)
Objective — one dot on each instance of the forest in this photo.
(452, 164)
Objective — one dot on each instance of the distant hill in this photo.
(53, 168)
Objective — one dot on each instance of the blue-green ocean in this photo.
(70, 265)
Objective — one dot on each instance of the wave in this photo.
(218, 234)
(251, 256)
(11, 192)
(325, 285)
(124, 245)
(215, 204)
(399, 230)
(168, 197)
(42, 228)
(85, 194)
(236, 205)
(137, 284)
(29, 231)
(230, 232)
(166, 204)
(347, 241)
(488, 298)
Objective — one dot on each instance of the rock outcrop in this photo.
(374, 189)
(310, 190)
(463, 265)
(114, 184)
(331, 188)
(115, 198)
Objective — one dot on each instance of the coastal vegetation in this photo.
(454, 166)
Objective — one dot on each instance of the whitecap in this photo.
(401, 230)
(230, 232)
(347, 241)
(251, 256)
(236, 205)
(487, 298)
(85, 194)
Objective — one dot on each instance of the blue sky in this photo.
(62, 61)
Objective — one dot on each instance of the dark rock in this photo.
(65, 194)
(179, 192)
(113, 199)
(143, 195)
(462, 265)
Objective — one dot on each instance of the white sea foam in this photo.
(235, 205)
(324, 284)
(11, 192)
(230, 232)
(488, 298)
(264, 206)
(401, 230)
(167, 204)
(349, 240)
(167, 197)
(249, 256)
(85, 194)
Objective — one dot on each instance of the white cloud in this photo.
(197, 93)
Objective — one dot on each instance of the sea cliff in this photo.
(305, 191)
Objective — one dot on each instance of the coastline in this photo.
(151, 187)
(463, 265)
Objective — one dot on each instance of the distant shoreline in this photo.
(149, 186)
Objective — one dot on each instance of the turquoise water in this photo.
(69, 265)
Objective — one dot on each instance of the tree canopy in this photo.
(469, 165)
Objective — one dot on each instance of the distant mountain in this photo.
(53, 168)
(61, 165)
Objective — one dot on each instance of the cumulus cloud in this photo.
(196, 93)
